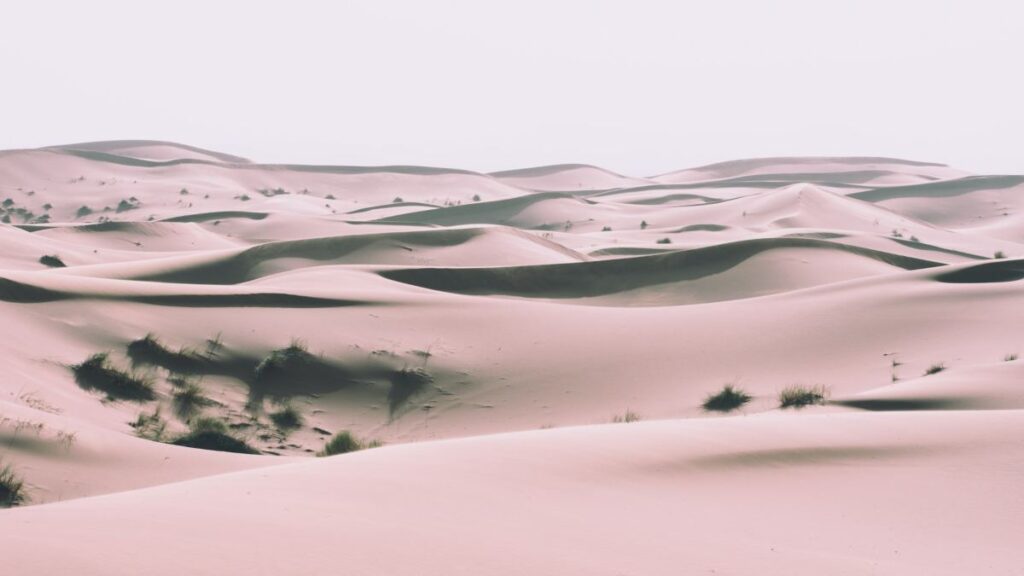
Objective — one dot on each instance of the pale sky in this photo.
(639, 87)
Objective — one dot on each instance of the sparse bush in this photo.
(97, 373)
(150, 426)
(397, 200)
(476, 197)
(643, 225)
(344, 442)
(799, 396)
(628, 417)
(1010, 357)
(183, 192)
(664, 241)
(288, 418)
(12, 487)
(294, 356)
(52, 261)
(914, 239)
(999, 254)
(935, 369)
(47, 207)
(125, 205)
(189, 400)
(726, 400)
(150, 350)
(212, 434)
(606, 229)
(405, 384)
(83, 212)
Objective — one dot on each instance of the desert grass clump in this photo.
(729, 398)
(52, 261)
(295, 356)
(797, 396)
(12, 487)
(935, 369)
(288, 418)
(212, 434)
(151, 426)
(189, 400)
(1010, 357)
(344, 442)
(97, 373)
(999, 255)
(627, 417)
(664, 240)
(405, 384)
(150, 350)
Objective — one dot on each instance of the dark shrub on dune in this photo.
(212, 434)
(727, 400)
(97, 373)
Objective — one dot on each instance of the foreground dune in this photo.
(487, 328)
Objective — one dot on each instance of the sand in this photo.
(492, 331)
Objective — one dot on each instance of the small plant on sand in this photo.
(406, 383)
(97, 373)
(606, 229)
(12, 487)
(999, 254)
(288, 418)
(664, 240)
(83, 212)
(344, 442)
(52, 261)
(726, 400)
(1010, 357)
(150, 350)
(626, 418)
(212, 434)
(150, 426)
(397, 200)
(797, 396)
(189, 400)
(935, 369)
(295, 355)
(476, 197)
(643, 225)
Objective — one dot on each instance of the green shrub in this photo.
(935, 369)
(52, 261)
(12, 487)
(800, 396)
(344, 442)
(212, 434)
(628, 417)
(726, 400)
(97, 373)
(288, 418)
(189, 400)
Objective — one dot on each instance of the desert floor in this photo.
(523, 356)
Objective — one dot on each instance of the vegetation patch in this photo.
(52, 261)
(799, 396)
(935, 369)
(12, 487)
(97, 373)
(344, 442)
(212, 434)
(288, 418)
(405, 384)
(728, 399)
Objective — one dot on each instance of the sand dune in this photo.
(487, 329)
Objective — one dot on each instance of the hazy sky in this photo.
(640, 87)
